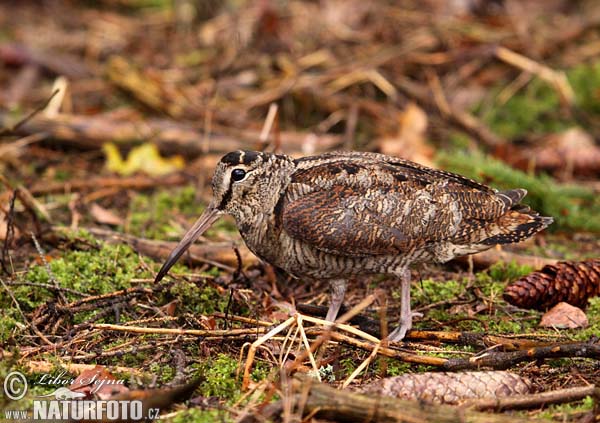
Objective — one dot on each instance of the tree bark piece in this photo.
(91, 132)
(212, 253)
(321, 401)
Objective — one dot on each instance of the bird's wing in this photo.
(353, 208)
(341, 222)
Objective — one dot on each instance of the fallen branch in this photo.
(195, 332)
(138, 182)
(504, 360)
(217, 254)
(541, 399)
(488, 258)
(91, 132)
(323, 402)
(557, 79)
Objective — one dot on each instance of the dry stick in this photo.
(14, 128)
(121, 294)
(26, 198)
(307, 353)
(91, 132)
(541, 399)
(557, 79)
(507, 342)
(324, 402)
(362, 366)
(166, 331)
(216, 254)
(304, 340)
(49, 287)
(252, 350)
(504, 360)
(243, 319)
(32, 324)
(5, 149)
(267, 126)
(459, 117)
(41, 366)
(389, 352)
(137, 182)
(51, 276)
(487, 258)
(118, 353)
(10, 233)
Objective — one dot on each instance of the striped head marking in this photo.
(236, 173)
(244, 184)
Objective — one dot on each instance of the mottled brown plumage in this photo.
(341, 214)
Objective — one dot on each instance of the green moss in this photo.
(394, 367)
(348, 365)
(196, 415)
(536, 109)
(505, 272)
(585, 80)
(593, 314)
(219, 374)
(152, 215)
(199, 299)
(429, 291)
(220, 381)
(565, 412)
(571, 206)
(165, 373)
(93, 272)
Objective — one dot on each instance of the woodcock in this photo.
(342, 214)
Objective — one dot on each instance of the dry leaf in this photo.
(145, 158)
(98, 383)
(564, 316)
(563, 154)
(410, 143)
(4, 228)
(105, 216)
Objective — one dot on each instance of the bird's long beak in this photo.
(202, 224)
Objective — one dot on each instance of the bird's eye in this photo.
(238, 174)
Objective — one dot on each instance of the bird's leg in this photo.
(405, 313)
(338, 290)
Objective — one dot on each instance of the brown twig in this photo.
(504, 360)
(324, 402)
(541, 399)
(196, 332)
(15, 127)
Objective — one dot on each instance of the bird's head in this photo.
(245, 184)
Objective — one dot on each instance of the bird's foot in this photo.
(399, 333)
(338, 290)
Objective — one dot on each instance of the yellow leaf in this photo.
(146, 158)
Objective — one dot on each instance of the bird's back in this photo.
(372, 206)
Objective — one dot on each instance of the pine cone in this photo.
(450, 388)
(573, 282)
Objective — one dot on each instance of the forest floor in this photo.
(113, 115)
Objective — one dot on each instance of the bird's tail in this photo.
(518, 223)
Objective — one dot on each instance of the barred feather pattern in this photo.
(347, 213)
